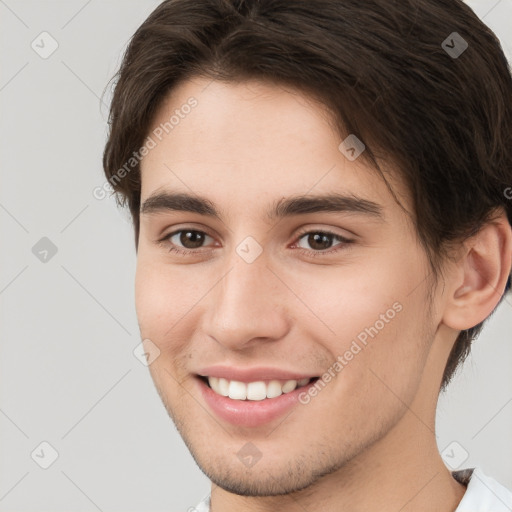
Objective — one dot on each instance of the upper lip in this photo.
(253, 374)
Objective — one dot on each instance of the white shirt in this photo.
(483, 494)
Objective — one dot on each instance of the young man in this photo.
(321, 196)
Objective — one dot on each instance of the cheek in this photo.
(344, 302)
(149, 303)
(163, 295)
(168, 305)
(162, 301)
(369, 321)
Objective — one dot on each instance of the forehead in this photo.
(250, 142)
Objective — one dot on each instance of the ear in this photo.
(480, 275)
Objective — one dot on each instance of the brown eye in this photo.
(191, 239)
(185, 241)
(321, 240)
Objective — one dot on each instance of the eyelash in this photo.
(307, 252)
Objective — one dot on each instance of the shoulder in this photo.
(483, 494)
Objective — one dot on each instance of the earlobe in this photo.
(480, 276)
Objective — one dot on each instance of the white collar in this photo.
(483, 494)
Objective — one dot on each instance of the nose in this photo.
(248, 305)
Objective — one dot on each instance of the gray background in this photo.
(68, 327)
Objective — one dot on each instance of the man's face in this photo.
(277, 295)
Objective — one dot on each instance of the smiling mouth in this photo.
(255, 391)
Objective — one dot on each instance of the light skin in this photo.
(366, 441)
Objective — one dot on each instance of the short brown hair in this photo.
(384, 70)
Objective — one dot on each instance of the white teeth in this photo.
(214, 382)
(223, 388)
(289, 385)
(237, 390)
(274, 389)
(258, 390)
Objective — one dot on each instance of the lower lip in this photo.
(250, 413)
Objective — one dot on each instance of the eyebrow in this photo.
(286, 207)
